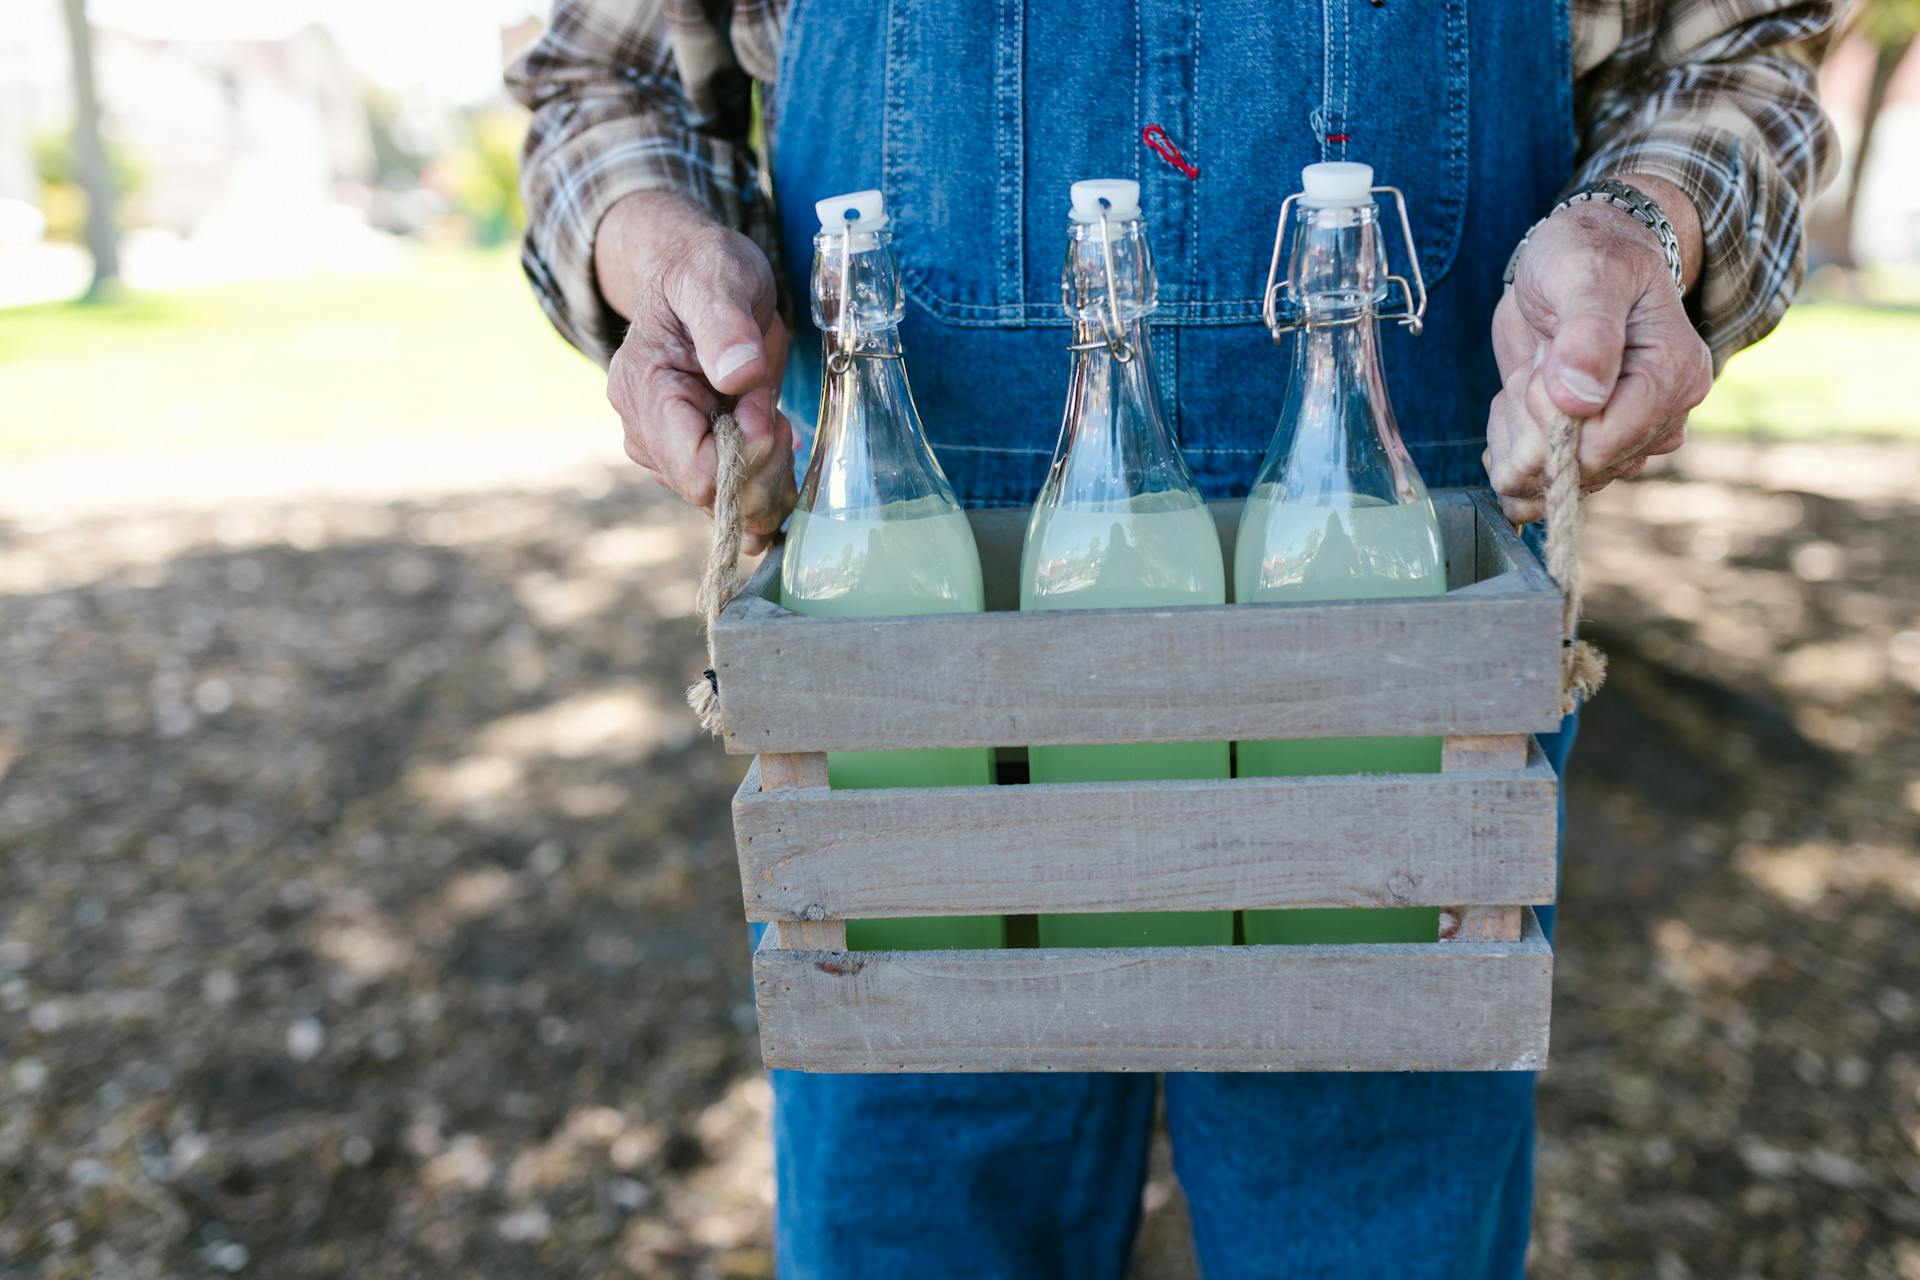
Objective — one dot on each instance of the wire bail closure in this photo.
(1114, 337)
(841, 360)
(1415, 315)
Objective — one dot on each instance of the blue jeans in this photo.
(1003, 1177)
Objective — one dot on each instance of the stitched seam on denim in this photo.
(1170, 377)
(892, 109)
(1319, 118)
(986, 448)
(916, 284)
(789, 41)
(1346, 72)
(1008, 52)
(1237, 311)
(1563, 49)
(1190, 191)
(1452, 210)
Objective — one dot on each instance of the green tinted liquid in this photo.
(1364, 549)
(907, 558)
(1155, 551)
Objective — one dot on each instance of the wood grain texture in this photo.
(1458, 535)
(1473, 753)
(1000, 533)
(813, 935)
(1481, 924)
(1498, 548)
(1462, 1006)
(1458, 663)
(764, 582)
(1364, 841)
(788, 771)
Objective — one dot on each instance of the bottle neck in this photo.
(869, 452)
(1114, 442)
(1337, 374)
(883, 340)
(1337, 441)
(1337, 427)
(1337, 273)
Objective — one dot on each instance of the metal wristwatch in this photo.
(1635, 202)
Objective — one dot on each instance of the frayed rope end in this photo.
(1586, 671)
(703, 695)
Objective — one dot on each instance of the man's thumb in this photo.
(726, 340)
(1583, 361)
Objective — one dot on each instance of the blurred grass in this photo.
(453, 342)
(1829, 369)
(450, 341)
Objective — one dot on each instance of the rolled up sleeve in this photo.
(1720, 98)
(613, 114)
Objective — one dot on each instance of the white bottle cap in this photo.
(861, 210)
(1120, 197)
(1336, 184)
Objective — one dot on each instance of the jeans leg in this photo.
(1367, 1176)
(1408, 1176)
(994, 1177)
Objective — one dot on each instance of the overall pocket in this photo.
(993, 108)
(1279, 86)
(953, 156)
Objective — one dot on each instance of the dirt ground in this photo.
(367, 904)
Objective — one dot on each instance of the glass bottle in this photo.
(877, 531)
(1119, 524)
(1338, 511)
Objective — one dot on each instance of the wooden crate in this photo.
(1479, 665)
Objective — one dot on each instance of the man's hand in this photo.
(1594, 326)
(705, 335)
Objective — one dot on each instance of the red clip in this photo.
(1156, 137)
(1338, 137)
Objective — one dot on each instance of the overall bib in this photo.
(974, 118)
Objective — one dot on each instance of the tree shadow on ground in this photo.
(368, 903)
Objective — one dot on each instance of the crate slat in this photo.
(1473, 753)
(1482, 924)
(1498, 550)
(1454, 1006)
(781, 771)
(1481, 659)
(1365, 841)
(1451, 665)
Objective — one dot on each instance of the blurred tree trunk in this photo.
(90, 153)
(1890, 25)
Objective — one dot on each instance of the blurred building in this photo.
(1886, 220)
(217, 129)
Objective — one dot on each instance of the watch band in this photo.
(1624, 196)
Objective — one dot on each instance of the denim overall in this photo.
(974, 118)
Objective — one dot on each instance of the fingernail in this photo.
(733, 358)
(1583, 386)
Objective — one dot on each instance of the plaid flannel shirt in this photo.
(1717, 97)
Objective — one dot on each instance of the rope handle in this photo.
(1583, 668)
(720, 580)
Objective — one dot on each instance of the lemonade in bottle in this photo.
(1119, 525)
(1338, 511)
(878, 531)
